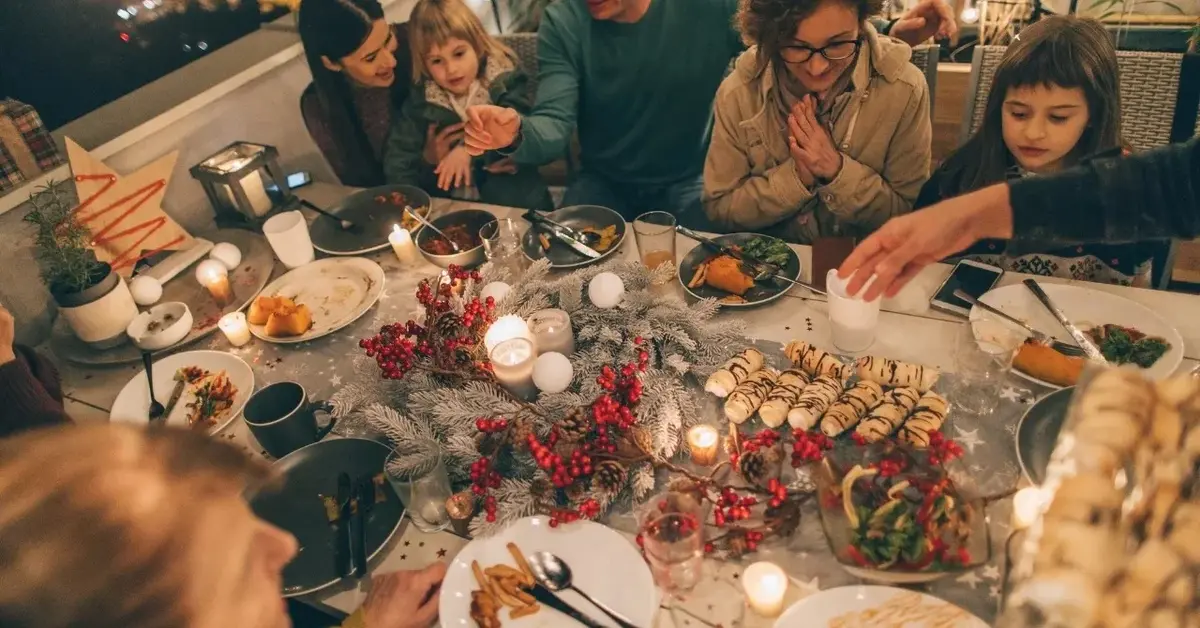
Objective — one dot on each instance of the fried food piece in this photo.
(524, 612)
(289, 319)
(699, 276)
(260, 310)
(485, 610)
(733, 299)
(725, 273)
(608, 235)
(522, 564)
(544, 241)
(1038, 360)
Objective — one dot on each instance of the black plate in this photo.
(1037, 433)
(373, 220)
(310, 472)
(762, 292)
(576, 217)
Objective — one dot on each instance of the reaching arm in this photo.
(546, 132)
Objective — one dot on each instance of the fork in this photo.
(1041, 338)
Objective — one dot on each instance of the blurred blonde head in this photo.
(114, 526)
(434, 23)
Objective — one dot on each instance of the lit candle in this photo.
(765, 584)
(552, 331)
(506, 328)
(512, 364)
(1027, 505)
(402, 244)
(235, 328)
(213, 275)
(702, 442)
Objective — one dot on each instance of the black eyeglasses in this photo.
(833, 51)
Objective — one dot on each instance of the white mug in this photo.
(288, 234)
(852, 321)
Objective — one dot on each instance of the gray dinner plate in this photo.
(762, 292)
(576, 217)
(1037, 432)
(373, 220)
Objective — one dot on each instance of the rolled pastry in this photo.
(785, 393)
(816, 361)
(927, 418)
(749, 395)
(887, 372)
(734, 372)
(888, 414)
(850, 408)
(814, 400)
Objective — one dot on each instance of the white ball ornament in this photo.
(552, 372)
(606, 290)
(145, 290)
(496, 289)
(227, 253)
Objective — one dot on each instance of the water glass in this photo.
(655, 234)
(288, 235)
(502, 245)
(981, 365)
(852, 321)
(673, 540)
(424, 492)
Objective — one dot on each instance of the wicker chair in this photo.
(926, 59)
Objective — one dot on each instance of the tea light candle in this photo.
(402, 244)
(1026, 506)
(213, 275)
(235, 328)
(461, 507)
(512, 364)
(765, 585)
(552, 331)
(702, 443)
(506, 328)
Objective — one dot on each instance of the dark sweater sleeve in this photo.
(30, 393)
(1149, 195)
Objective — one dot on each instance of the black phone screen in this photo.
(973, 280)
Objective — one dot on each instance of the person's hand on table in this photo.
(491, 128)
(814, 149)
(439, 143)
(928, 18)
(404, 599)
(454, 170)
(8, 333)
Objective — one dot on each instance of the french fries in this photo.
(502, 586)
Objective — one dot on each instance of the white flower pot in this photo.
(99, 315)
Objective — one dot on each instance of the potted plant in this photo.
(93, 299)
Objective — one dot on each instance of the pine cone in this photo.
(575, 426)
(610, 477)
(759, 467)
(641, 436)
(522, 429)
(448, 325)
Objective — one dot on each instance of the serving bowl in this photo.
(160, 326)
(473, 220)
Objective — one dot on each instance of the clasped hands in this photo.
(813, 153)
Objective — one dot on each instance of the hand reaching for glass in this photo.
(491, 128)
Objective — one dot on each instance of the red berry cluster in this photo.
(942, 449)
(765, 439)
(562, 473)
(809, 446)
(491, 426)
(859, 439)
(589, 509)
(753, 537)
(612, 411)
(891, 467)
(732, 507)
(489, 507)
(778, 493)
(483, 476)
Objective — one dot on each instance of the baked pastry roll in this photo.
(733, 372)
(749, 395)
(814, 400)
(888, 414)
(887, 372)
(787, 389)
(927, 418)
(850, 408)
(816, 361)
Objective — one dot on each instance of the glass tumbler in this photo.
(502, 245)
(981, 365)
(673, 540)
(424, 491)
(655, 234)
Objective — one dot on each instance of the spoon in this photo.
(587, 237)
(554, 574)
(421, 219)
(345, 224)
(156, 409)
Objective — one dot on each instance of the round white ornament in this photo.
(552, 372)
(145, 290)
(227, 253)
(497, 290)
(606, 290)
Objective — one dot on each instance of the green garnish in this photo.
(1126, 345)
(769, 250)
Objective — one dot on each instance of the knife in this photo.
(180, 383)
(358, 524)
(533, 216)
(578, 246)
(548, 598)
(1089, 348)
(341, 535)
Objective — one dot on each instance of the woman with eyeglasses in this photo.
(822, 129)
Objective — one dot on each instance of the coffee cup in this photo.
(283, 420)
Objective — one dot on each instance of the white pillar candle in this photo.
(512, 364)
(702, 443)
(402, 244)
(552, 331)
(506, 327)
(1027, 505)
(215, 277)
(765, 585)
(235, 328)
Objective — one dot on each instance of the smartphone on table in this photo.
(974, 278)
(298, 179)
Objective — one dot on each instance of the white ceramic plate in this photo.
(336, 290)
(1085, 308)
(133, 402)
(604, 564)
(885, 604)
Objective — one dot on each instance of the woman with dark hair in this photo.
(823, 127)
(361, 74)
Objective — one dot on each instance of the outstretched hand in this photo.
(404, 599)
(491, 128)
(926, 19)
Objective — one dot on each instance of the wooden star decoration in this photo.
(124, 212)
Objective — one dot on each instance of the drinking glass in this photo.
(424, 491)
(288, 235)
(502, 245)
(852, 321)
(655, 234)
(672, 533)
(981, 364)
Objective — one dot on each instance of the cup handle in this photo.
(327, 408)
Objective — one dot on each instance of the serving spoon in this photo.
(553, 573)
(421, 219)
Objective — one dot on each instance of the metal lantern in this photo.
(244, 183)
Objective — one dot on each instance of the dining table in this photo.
(908, 329)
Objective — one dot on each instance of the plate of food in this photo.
(203, 390)
(1126, 332)
(707, 273)
(607, 226)
(878, 607)
(486, 584)
(316, 299)
(374, 212)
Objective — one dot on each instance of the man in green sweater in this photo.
(637, 78)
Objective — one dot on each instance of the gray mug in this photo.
(283, 419)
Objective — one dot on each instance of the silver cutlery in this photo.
(562, 234)
(1038, 336)
(346, 225)
(157, 411)
(176, 393)
(421, 219)
(1089, 348)
(583, 237)
(548, 598)
(554, 574)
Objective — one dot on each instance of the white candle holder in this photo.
(552, 331)
(402, 245)
(512, 364)
(235, 328)
(765, 585)
(215, 277)
(702, 444)
(504, 328)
